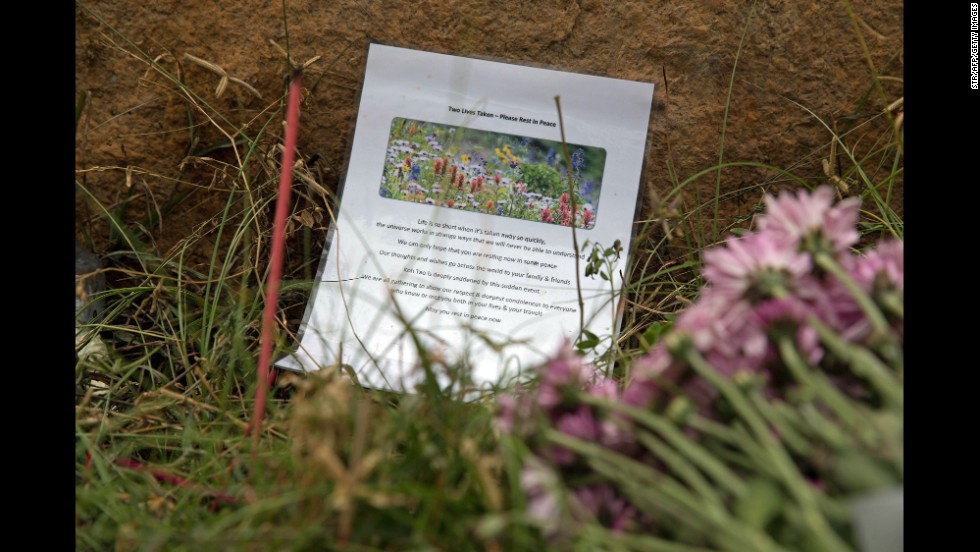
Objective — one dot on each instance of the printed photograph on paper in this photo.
(492, 173)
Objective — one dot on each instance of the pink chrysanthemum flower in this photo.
(754, 267)
(881, 273)
(565, 369)
(841, 311)
(883, 266)
(604, 388)
(643, 388)
(578, 423)
(724, 332)
(790, 314)
(602, 503)
(810, 220)
(615, 430)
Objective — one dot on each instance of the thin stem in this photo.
(863, 363)
(691, 449)
(870, 310)
(614, 343)
(839, 404)
(825, 537)
(571, 197)
(285, 27)
(724, 124)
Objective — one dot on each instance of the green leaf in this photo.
(760, 504)
(589, 341)
(858, 472)
(653, 333)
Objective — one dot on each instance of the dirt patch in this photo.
(137, 131)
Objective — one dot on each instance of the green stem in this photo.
(694, 452)
(877, 319)
(614, 342)
(724, 124)
(651, 487)
(684, 469)
(603, 538)
(571, 197)
(863, 363)
(823, 389)
(826, 539)
(832, 434)
(893, 302)
(777, 419)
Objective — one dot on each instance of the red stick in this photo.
(278, 245)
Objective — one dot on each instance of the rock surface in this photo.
(801, 67)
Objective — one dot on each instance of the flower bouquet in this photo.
(774, 401)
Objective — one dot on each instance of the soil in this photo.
(801, 61)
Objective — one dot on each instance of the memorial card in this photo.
(454, 231)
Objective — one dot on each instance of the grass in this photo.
(162, 460)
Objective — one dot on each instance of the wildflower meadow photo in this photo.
(492, 173)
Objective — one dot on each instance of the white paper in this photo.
(464, 275)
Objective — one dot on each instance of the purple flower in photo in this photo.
(578, 161)
(414, 188)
